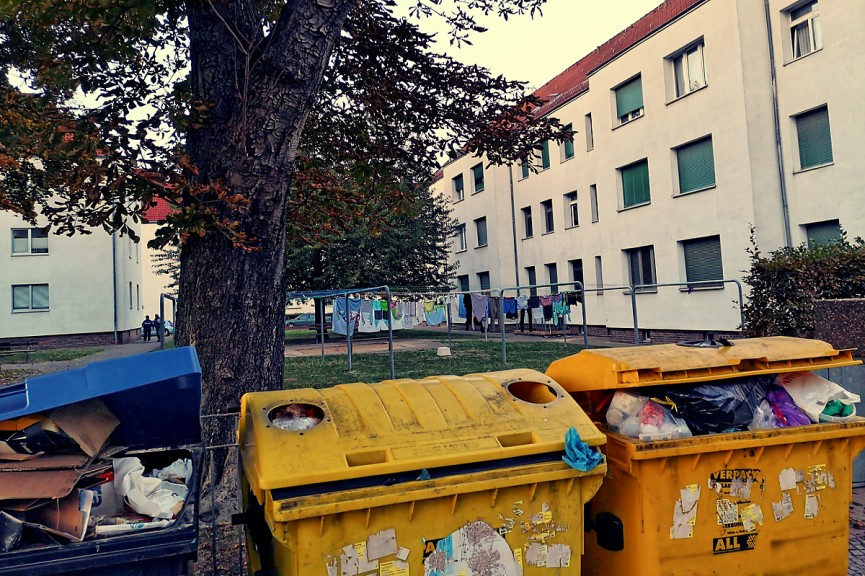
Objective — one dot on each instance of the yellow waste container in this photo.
(442, 476)
(757, 503)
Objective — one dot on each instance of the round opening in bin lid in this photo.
(532, 392)
(296, 417)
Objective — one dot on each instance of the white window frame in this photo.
(593, 199)
(590, 134)
(680, 59)
(29, 251)
(641, 252)
(572, 210)
(459, 194)
(475, 189)
(599, 275)
(478, 232)
(30, 307)
(810, 20)
(549, 216)
(462, 242)
(528, 223)
(564, 146)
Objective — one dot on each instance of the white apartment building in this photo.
(67, 291)
(703, 119)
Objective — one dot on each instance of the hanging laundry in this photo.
(479, 306)
(538, 315)
(561, 309)
(435, 313)
(546, 300)
(522, 302)
(510, 306)
(397, 315)
(382, 314)
(534, 302)
(461, 307)
(346, 323)
(367, 317)
(548, 312)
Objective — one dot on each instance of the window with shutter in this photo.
(825, 232)
(481, 229)
(641, 262)
(568, 145)
(703, 261)
(696, 166)
(545, 154)
(478, 173)
(635, 184)
(815, 140)
(629, 100)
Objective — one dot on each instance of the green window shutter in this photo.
(545, 154)
(635, 184)
(524, 166)
(629, 97)
(703, 260)
(696, 166)
(815, 140)
(823, 232)
(478, 172)
(569, 144)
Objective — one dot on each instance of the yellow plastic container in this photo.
(416, 477)
(762, 503)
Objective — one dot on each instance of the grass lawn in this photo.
(60, 355)
(471, 355)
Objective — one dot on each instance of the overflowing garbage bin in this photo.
(724, 458)
(442, 476)
(100, 469)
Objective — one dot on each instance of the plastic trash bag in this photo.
(579, 455)
(715, 408)
(812, 393)
(639, 417)
(764, 417)
(786, 411)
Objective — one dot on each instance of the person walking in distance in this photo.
(157, 323)
(146, 328)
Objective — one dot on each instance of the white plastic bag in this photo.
(639, 417)
(811, 393)
(149, 496)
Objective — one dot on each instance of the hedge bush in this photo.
(784, 284)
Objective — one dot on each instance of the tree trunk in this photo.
(258, 89)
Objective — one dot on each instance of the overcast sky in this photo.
(537, 50)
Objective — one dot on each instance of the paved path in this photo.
(110, 351)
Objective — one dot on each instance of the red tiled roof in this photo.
(157, 211)
(575, 80)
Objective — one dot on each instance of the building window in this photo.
(552, 273)
(545, 154)
(138, 297)
(29, 297)
(629, 100)
(533, 280)
(549, 224)
(463, 283)
(478, 176)
(696, 166)
(635, 184)
(461, 238)
(703, 261)
(459, 188)
(481, 229)
(689, 70)
(568, 145)
(815, 139)
(826, 232)
(577, 273)
(599, 275)
(484, 280)
(130, 296)
(572, 213)
(29, 241)
(593, 199)
(641, 265)
(524, 167)
(805, 34)
(527, 222)
(590, 136)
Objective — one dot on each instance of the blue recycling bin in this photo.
(157, 399)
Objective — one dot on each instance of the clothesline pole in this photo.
(389, 333)
(502, 325)
(450, 343)
(347, 332)
(322, 302)
(583, 307)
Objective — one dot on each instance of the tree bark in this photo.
(259, 86)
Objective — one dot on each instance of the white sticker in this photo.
(784, 508)
(812, 506)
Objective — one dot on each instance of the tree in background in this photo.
(205, 104)
(166, 262)
(409, 250)
(784, 284)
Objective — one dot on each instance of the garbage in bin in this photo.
(758, 502)
(100, 467)
(446, 475)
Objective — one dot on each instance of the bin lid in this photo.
(407, 425)
(616, 368)
(155, 396)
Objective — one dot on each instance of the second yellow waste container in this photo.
(757, 503)
(445, 476)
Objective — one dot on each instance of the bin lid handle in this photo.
(709, 342)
